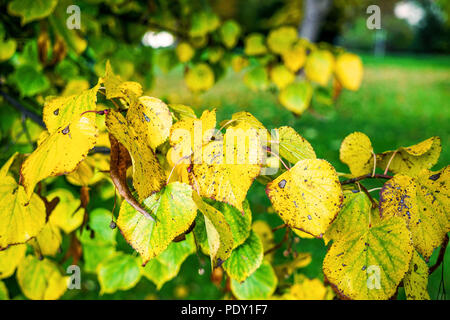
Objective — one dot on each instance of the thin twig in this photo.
(22, 109)
(440, 257)
(364, 189)
(279, 227)
(389, 162)
(278, 245)
(366, 176)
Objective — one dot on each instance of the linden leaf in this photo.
(352, 219)
(181, 111)
(5, 168)
(166, 266)
(284, 270)
(280, 40)
(319, 66)
(281, 76)
(68, 214)
(257, 78)
(203, 22)
(416, 279)
(229, 33)
(260, 285)
(424, 204)
(48, 241)
(71, 135)
(357, 152)
(115, 87)
(3, 291)
(7, 49)
(371, 264)
(148, 176)
(293, 147)
(151, 119)
(308, 289)
(264, 231)
(218, 232)
(184, 52)
(308, 196)
(238, 63)
(295, 57)
(296, 97)
(10, 259)
(411, 160)
(221, 176)
(255, 44)
(41, 279)
(200, 77)
(174, 210)
(349, 71)
(245, 259)
(25, 216)
(31, 10)
(119, 272)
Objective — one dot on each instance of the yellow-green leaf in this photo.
(119, 272)
(184, 52)
(255, 44)
(280, 40)
(308, 196)
(416, 279)
(293, 147)
(41, 279)
(67, 215)
(349, 71)
(257, 78)
(199, 78)
(284, 270)
(174, 210)
(296, 96)
(115, 87)
(48, 241)
(281, 76)
(10, 259)
(357, 152)
(7, 49)
(319, 66)
(370, 266)
(245, 259)
(295, 57)
(229, 33)
(31, 10)
(3, 291)
(412, 160)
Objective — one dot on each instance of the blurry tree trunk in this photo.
(315, 12)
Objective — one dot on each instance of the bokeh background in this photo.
(404, 97)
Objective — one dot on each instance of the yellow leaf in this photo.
(293, 147)
(416, 279)
(184, 52)
(67, 215)
(75, 86)
(10, 259)
(349, 71)
(174, 210)
(357, 152)
(148, 176)
(238, 63)
(280, 40)
(25, 216)
(40, 280)
(423, 203)
(284, 270)
(200, 77)
(319, 66)
(281, 76)
(115, 87)
(308, 289)
(411, 160)
(264, 231)
(296, 96)
(308, 196)
(150, 119)
(5, 168)
(254, 44)
(295, 57)
(181, 111)
(48, 241)
(86, 173)
(371, 264)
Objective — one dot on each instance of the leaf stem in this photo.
(440, 258)
(366, 176)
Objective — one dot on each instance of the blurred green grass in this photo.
(402, 101)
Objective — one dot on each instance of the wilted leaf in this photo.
(308, 196)
(357, 152)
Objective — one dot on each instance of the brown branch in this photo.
(279, 227)
(366, 176)
(278, 245)
(440, 257)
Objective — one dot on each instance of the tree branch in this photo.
(24, 111)
(278, 245)
(366, 176)
(440, 257)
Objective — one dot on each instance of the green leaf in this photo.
(260, 285)
(254, 44)
(41, 279)
(30, 10)
(257, 78)
(166, 266)
(7, 49)
(296, 96)
(174, 210)
(245, 259)
(119, 272)
(94, 254)
(229, 33)
(30, 81)
(103, 235)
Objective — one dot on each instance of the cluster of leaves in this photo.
(180, 196)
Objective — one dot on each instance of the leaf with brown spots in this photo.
(416, 279)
